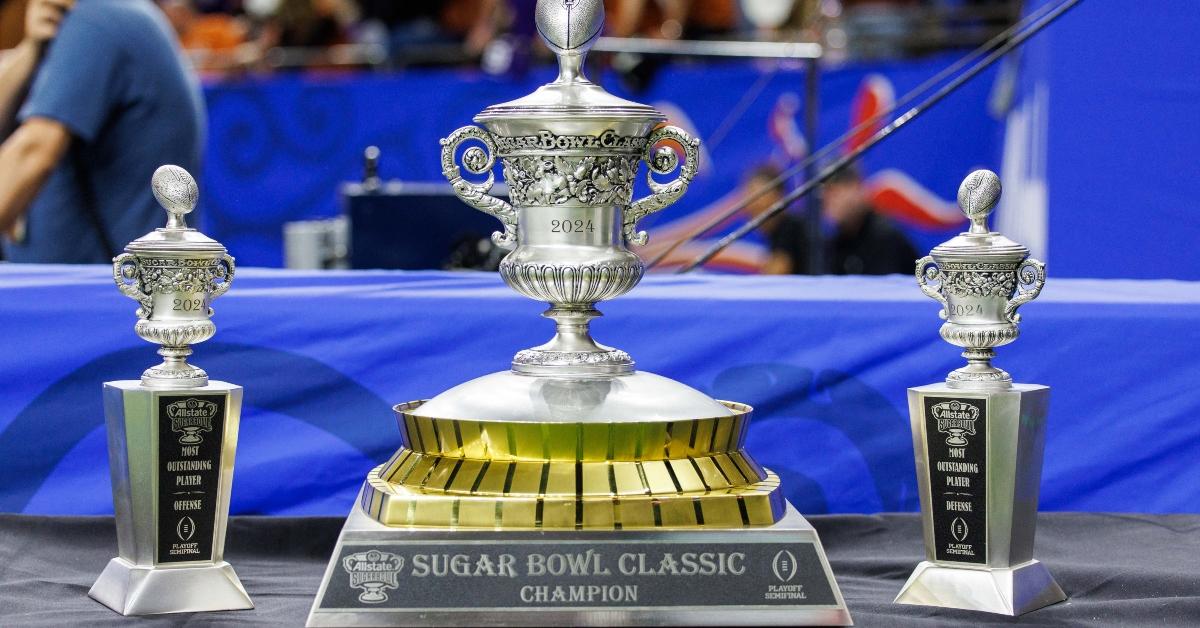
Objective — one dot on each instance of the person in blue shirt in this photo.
(98, 96)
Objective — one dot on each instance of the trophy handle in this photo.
(129, 282)
(929, 277)
(1031, 278)
(224, 273)
(478, 161)
(663, 161)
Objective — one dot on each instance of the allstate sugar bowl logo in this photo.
(956, 419)
(374, 572)
(190, 417)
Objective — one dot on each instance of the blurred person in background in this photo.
(786, 232)
(216, 40)
(863, 241)
(310, 23)
(671, 19)
(857, 240)
(100, 96)
(409, 28)
(663, 19)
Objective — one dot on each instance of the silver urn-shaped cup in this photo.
(981, 278)
(571, 154)
(174, 274)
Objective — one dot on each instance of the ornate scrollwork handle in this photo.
(128, 277)
(478, 161)
(663, 161)
(222, 276)
(1031, 278)
(929, 277)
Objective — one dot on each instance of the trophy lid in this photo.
(977, 198)
(570, 28)
(176, 191)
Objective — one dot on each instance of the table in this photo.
(1119, 570)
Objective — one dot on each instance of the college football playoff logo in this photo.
(374, 572)
(190, 417)
(957, 419)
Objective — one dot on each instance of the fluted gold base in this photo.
(454, 473)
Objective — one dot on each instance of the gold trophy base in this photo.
(510, 475)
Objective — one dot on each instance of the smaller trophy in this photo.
(172, 435)
(978, 437)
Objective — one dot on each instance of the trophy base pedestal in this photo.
(132, 590)
(1009, 591)
(772, 575)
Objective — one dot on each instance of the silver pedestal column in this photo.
(173, 434)
(978, 437)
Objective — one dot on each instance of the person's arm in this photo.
(26, 160)
(42, 21)
(16, 70)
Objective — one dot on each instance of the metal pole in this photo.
(812, 120)
(690, 48)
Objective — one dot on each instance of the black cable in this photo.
(882, 134)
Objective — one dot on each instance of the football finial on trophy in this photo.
(977, 198)
(174, 273)
(981, 278)
(176, 190)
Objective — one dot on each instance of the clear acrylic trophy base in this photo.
(1012, 591)
(418, 576)
(132, 590)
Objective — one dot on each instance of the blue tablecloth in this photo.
(826, 361)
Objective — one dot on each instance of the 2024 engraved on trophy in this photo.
(978, 437)
(573, 488)
(172, 435)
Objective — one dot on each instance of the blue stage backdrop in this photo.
(280, 147)
(825, 362)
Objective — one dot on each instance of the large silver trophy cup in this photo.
(572, 488)
(173, 434)
(979, 437)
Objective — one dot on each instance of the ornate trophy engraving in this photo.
(979, 437)
(574, 488)
(173, 434)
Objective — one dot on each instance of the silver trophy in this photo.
(979, 437)
(173, 434)
(572, 488)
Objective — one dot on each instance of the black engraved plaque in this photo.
(503, 574)
(191, 430)
(956, 441)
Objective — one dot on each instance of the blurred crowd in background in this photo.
(236, 36)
